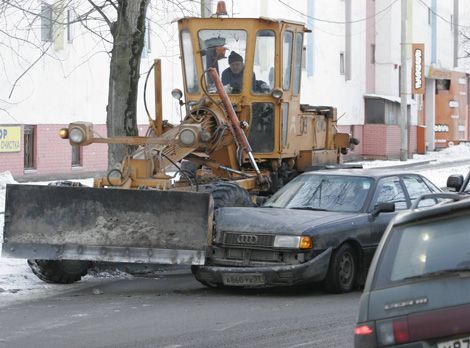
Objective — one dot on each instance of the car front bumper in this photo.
(314, 270)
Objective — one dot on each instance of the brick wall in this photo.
(53, 155)
(383, 141)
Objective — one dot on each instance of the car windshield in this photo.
(422, 250)
(323, 192)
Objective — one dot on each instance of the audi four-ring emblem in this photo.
(247, 239)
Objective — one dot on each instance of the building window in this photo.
(28, 141)
(46, 22)
(372, 54)
(341, 63)
(76, 156)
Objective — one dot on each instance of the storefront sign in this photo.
(10, 139)
(417, 79)
(441, 128)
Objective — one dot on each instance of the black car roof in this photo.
(375, 173)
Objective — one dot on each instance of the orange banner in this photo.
(418, 82)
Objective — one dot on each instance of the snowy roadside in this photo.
(18, 283)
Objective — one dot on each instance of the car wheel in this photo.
(343, 269)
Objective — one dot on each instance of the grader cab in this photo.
(245, 134)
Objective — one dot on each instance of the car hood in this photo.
(274, 220)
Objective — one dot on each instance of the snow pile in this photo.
(459, 152)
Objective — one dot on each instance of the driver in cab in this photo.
(232, 77)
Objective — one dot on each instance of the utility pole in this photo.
(206, 7)
(403, 78)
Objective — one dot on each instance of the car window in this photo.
(416, 187)
(323, 192)
(389, 190)
(422, 248)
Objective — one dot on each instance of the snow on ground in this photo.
(18, 283)
(459, 152)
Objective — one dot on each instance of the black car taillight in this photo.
(393, 331)
(364, 335)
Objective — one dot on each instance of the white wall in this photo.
(71, 82)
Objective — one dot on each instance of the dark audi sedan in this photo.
(323, 226)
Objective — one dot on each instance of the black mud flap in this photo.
(116, 225)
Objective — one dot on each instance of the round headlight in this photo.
(187, 137)
(277, 93)
(76, 135)
(177, 94)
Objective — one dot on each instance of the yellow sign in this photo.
(10, 139)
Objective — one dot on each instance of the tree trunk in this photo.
(128, 41)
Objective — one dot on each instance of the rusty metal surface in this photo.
(107, 217)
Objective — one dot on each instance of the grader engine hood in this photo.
(81, 223)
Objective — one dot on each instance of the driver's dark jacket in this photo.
(234, 80)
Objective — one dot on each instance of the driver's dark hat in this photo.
(234, 57)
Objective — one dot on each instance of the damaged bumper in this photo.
(314, 270)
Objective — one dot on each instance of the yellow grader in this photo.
(245, 134)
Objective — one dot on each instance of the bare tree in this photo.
(118, 24)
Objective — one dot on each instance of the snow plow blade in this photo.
(115, 225)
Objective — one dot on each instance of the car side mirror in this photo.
(382, 208)
(455, 181)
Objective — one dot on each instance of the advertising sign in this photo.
(10, 139)
(417, 70)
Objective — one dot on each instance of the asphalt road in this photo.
(176, 311)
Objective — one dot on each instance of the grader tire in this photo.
(59, 271)
(226, 194)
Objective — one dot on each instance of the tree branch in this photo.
(100, 11)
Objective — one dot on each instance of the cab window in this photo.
(286, 59)
(225, 51)
(263, 66)
(297, 63)
(192, 85)
(261, 136)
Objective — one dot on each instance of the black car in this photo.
(323, 226)
(417, 292)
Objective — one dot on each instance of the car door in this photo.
(388, 190)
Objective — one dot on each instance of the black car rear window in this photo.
(424, 248)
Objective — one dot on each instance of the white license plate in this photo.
(458, 343)
(243, 279)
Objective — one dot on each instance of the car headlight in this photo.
(293, 242)
(76, 135)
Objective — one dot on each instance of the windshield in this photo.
(425, 249)
(323, 192)
(225, 51)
